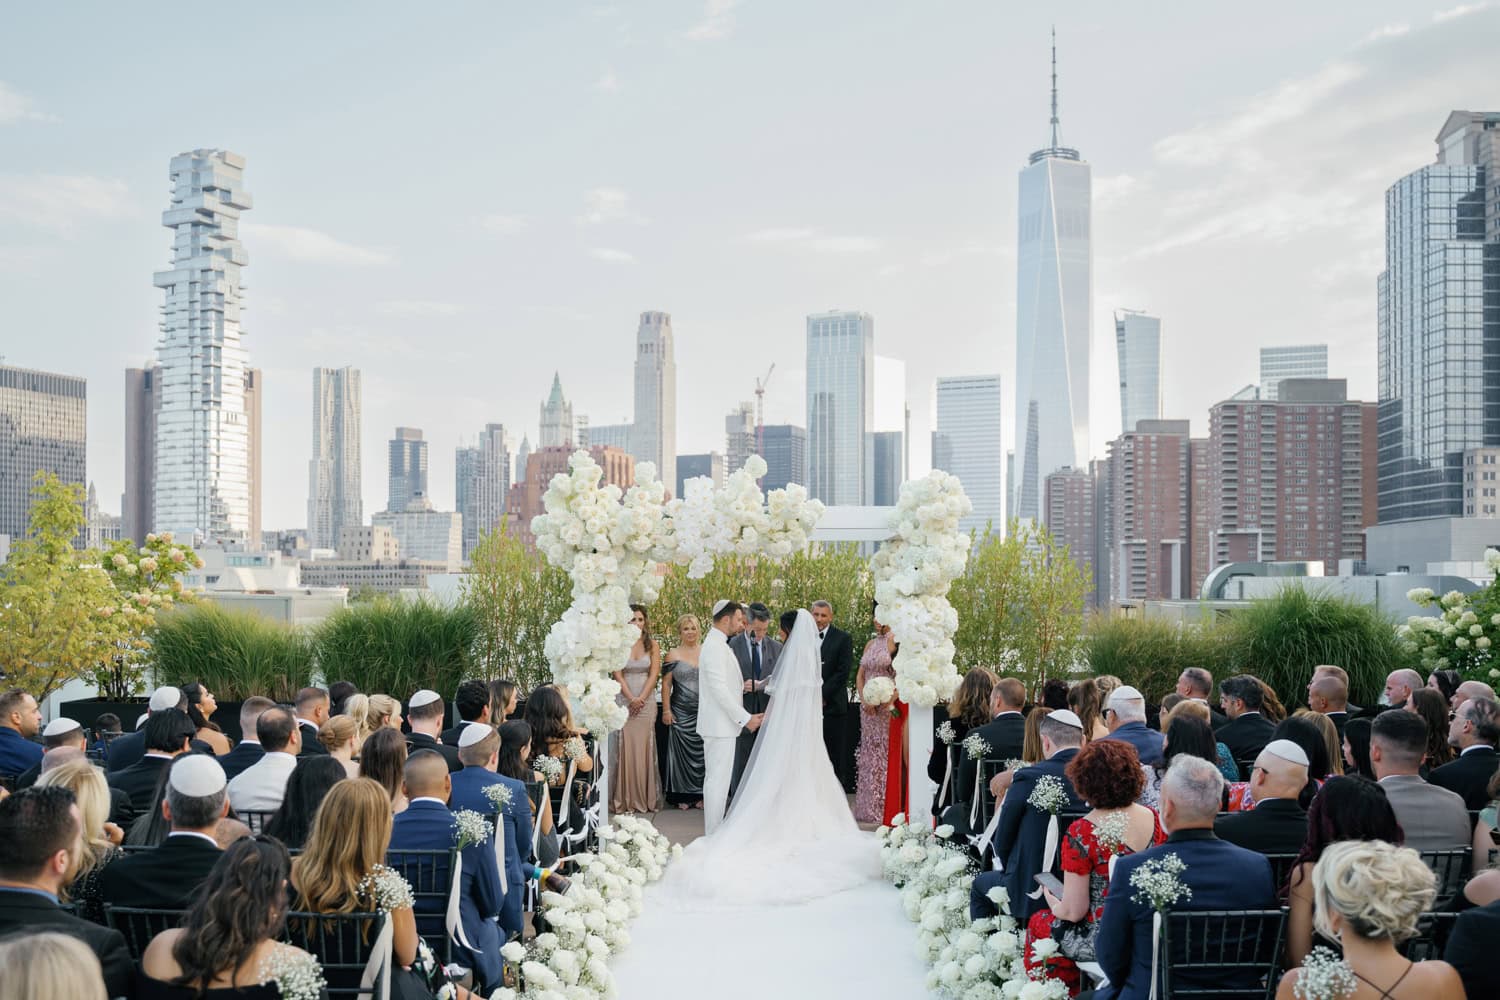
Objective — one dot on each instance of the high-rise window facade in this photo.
(653, 434)
(841, 407)
(482, 484)
(42, 429)
(967, 443)
(334, 499)
(785, 454)
(1294, 361)
(1138, 346)
(407, 475)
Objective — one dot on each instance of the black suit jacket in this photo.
(1339, 720)
(1022, 832)
(139, 781)
(166, 878)
(838, 662)
(1246, 736)
(450, 736)
(421, 741)
(1275, 826)
(126, 750)
(1471, 950)
(121, 809)
(1004, 735)
(755, 702)
(27, 912)
(310, 745)
(241, 758)
(1469, 776)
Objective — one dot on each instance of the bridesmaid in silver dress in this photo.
(634, 786)
(679, 690)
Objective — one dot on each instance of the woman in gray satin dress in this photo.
(679, 692)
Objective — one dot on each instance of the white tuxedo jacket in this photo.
(721, 709)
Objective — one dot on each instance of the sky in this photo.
(462, 198)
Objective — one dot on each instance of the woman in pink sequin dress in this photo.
(872, 758)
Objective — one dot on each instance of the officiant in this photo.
(756, 652)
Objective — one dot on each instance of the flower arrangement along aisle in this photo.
(570, 961)
(913, 573)
(609, 542)
(969, 959)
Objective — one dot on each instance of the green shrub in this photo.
(234, 654)
(396, 647)
(1149, 653)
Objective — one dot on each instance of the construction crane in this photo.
(760, 411)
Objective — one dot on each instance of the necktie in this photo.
(755, 659)
(822, 636)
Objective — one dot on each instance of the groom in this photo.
(721, 712)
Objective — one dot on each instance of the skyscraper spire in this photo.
(1055, 150)
(1054, 86)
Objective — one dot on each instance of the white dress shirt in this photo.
(262, 785)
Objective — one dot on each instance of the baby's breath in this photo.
(1157, 883)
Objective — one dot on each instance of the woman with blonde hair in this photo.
(372, 712)
(98, 846)
(1331, 739)
(679, 711)
(340, 737)
(49, 965)
(1106, 684)
(1367, 896)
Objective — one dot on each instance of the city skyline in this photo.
(1251, 163)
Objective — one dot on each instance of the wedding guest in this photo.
(150, 827)
(311, 781)
(1125, 715)
(1399, 684)
(1329, 697)
(837, 654)
(262, 785)
(1270, 704)
(48, 965)
(1168, 702)
(552, 726)
(1054, 693)
(873, 753)
(1471, 950)
(504, 695)
(1277, 824)
(481, 757)
(1445, 683)
(372, 713)
(472, 702)
(1486, 837)
(1306, 735)
(757, 653)
(338, 736)
(1472, 689)
(168, 877)
(168, 734)
(60, 733)
(424, 713)
(1368, 896)
(106, 726)
(128, 749)
(39, 839)
(1197, 684)
(201, 705)
(1187, 735)
(1248, 730)
(248, 750)
(228, 943)
(679, 695)
(515, 751)
(227, 831)
(312, 706)
(1433, 710)
(1086, 702)
(1031, 740)
(1220, 876)
(1002, 737)
(99, 840)
(1433, 818)
(382, 758)
(1332, 741)
(1349, 808)
(968, 709)
(633, 774)
(339, 693)
(1474, 732)
(1356, 748)
(1106, 684)
(1194, 709)
(1107, 774)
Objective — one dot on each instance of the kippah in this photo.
(473, 732)
(424, 697)
(1125, 693)
(1066, 717)
(197, 776)
(59, 726)
(719, 606)
(1287, 750)
(165, 697)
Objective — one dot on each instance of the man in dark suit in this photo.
(838, 663)
(1003, 737)
(1022, 831)
(481, 759)
(40, 830)
(1471, 950)
(425, 714)
(20, 721)
(1197, 684)
(1473, 733)
(168, 735)
(312, 712)
(248, 751)
(168, 877)
(1328, 695)
(472, 702)
(1125, 717)
(130, 748)
(757, 653)
(1220, 875)
(427, 825)
(1247, 732)
(1277, 824)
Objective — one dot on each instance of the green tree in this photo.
(149, 580)
(515, 596)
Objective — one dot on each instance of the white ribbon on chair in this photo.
(1049, 853)
(974, 808)
(379, 965)
(500, 850)
(947, 777)
(454, 920)
(567, 796)
(1155, 950)
(983, 841)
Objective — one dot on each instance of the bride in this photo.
(789, 835)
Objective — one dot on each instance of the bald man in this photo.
(1399, 685)
(1277, 824)
(1328, 695)
(1469, 690)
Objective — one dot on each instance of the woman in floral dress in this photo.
(872, 757)
(1107, 774)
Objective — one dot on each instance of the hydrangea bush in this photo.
(1463, 633)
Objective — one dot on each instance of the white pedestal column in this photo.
(918, 749)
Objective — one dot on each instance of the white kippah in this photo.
(1287, 750)
(165, 697)
(1125, 693)
(473, 732)
(1066, 717)
(197, 775)
(719, 606)
(424, 697)
(59, 726)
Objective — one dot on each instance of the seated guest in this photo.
(372, 713)
(1399, 684)
(1368, 896)
(1309, 739)
(338, 736)
(1329, 696)
(1332, 743)
(150, 827)
(106, 726)
(1108, 774)
(310, 783)
(1031, 742)
(427, 825)
(201, 706)
(227, 831)
(1248, 730)
(1350, 808)
(1474, 731)
(168, 877)
(56, 735)
(126, 750)
(382, 758)
(1221, 877)
(1356, 748)
(425, 715)
(1194, 709)
(48, 965)
(1168, 702)
(968, 709)
(1445, 683)
(515, 751)
(1354, 711)
(1472, 689)
(1003, 735)
(262, 785)
(552, 727)
(248, 750)
(479, 748)
(1054, 694)
(1022, 830)
(1277, 824)
(472, 702)
(20, 721)
(226, 952)
(39, 844)
(1085, 701)
(1433, 818)
(121, 813)
(339, 693)
(312, 712)
(1125, 716)
(99, 839)
(1487, 828)
(503, 697)
(1270, 705)
(168, 734)
(1433, 709)
(1197, 684)
(1471, 950)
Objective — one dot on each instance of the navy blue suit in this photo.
(126, 750)
(427, 825)
(1222, 877)
(1147, 742)
(17, 753)
(1022, 833)
(468, 793)
(240, 759)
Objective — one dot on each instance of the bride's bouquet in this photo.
(879, 691)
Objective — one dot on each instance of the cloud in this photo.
(1113, 189)
(497, 224)
(612, 256)
(418, 307)
(716, 24)
(1386, 31)
(61, 203)
(301, 243)
(1462, 10)
(807, 238)
(607, 83)
(18, 107)
(606, 204)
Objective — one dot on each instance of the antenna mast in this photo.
(1054, 87)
